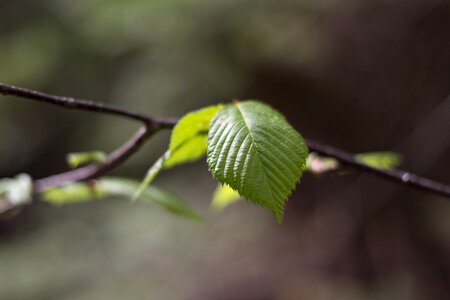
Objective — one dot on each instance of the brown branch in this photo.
(399, 176)
(96, 170)
(86, 105)
(152, 125)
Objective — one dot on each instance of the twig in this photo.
(86, 105)
(96, 170)
(396, 175)
(152, 125)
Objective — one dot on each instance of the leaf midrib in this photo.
(241, 114)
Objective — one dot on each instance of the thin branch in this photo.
(86, 105)
(152, 125)
(399, 176)
(96, 170)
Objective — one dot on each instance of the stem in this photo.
(95, 170)
(151, 125)
(86, 105)
(399, 176)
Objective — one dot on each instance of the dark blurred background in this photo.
(360, 75)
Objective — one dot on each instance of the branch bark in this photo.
(86, 105)
(151, 125)
(396, 175)
(92, 171)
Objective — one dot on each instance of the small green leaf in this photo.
(171, 203)
(380, 160)
(254, 150)
(191, 150)
(223, 197)
(81, 158)
(188, 140)
(73, 193)
(187, 144)
(150, 176)
(117, 186)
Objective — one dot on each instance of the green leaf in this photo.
(223, 197)
(171, 203)
(188, 140)
(191, 150)
(81, 158)
(150, 176)
(17, 191)
(254, 150)
(380, 160)
(73, 193)
(168, 201)
(187, 144)
(117, 186)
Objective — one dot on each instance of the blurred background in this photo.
(360, 75)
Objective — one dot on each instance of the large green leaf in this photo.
(254, 150)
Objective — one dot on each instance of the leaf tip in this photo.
(279, 215)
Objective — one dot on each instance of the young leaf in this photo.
(191, 150)
(254, 150)
(81, 158)
(168, 201)
(73, 193)
(116, 186)
(150, 176)
(188, 140)
(187, 144)
(380, 160)
(171, 203)
(223, 197)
